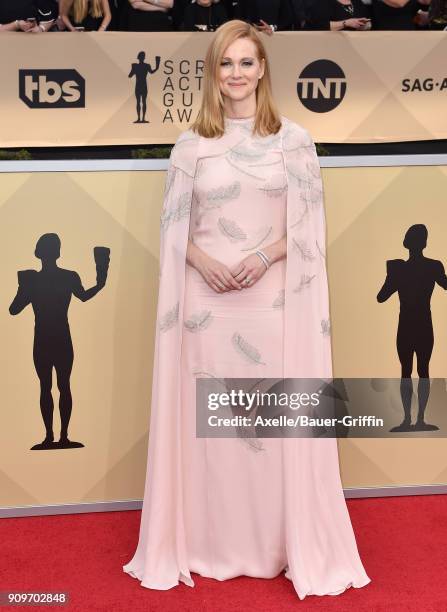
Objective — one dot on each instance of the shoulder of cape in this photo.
(184, 153)
(294, 136)
(186, 150)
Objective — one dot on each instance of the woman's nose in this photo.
(236, 70)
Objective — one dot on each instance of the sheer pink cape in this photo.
(324, 556)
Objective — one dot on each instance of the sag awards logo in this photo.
(321, 86)
(52, 88)
(181, 81)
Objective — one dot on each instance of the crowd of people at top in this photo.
(269, 16)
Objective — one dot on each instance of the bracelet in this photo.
(265, 260)
(17, 24)
(41, 27)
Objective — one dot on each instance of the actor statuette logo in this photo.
(321, 86)
(52, 88)
(175, 83)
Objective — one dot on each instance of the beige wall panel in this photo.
(374, 99)
(368, 212)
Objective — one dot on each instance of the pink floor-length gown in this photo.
(234, 501)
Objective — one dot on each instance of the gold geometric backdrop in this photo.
(342, 87)
(368, 212)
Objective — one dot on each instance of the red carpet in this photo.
(402, 542)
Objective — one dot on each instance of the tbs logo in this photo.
(52, 88)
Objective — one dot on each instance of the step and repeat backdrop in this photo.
(146, 87)
(93, 320)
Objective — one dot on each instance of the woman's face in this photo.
(240, 70)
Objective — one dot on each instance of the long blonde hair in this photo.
(80, 9)
(210, 120)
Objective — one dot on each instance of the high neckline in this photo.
(239, 119)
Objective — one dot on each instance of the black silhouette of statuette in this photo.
(414, 280)
(49, 291)
(140, 71)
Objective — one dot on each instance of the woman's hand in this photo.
(421, 18)
(38, 29)
(24, 26)
(216, 274)
(357, 23)
(250, 267)
(263, 27)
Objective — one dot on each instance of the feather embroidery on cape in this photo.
(231, 229)
(303, 249)
(279, 300)
(180, 211)
(216, 197)
(198, 321)
(170, 318)
(304, 282)
(247, 350)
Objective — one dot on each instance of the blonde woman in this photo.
(242, 294)
(79, 15)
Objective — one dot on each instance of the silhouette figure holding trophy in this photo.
(414, 281)
(140, 72)
(49, 292)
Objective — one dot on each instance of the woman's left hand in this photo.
(35, 30)
(263, 26)
(251, 267)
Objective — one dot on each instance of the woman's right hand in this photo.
(216, 274)
(357, 23)
(24, 26)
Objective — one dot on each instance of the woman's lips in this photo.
(236, 84)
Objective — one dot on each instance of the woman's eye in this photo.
(243, 63)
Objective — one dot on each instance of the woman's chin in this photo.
(236, 94)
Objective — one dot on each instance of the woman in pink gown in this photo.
(243, 294)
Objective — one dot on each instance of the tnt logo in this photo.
(321, 86)
(52, 88)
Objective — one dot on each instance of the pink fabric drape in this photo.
(323, 556)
